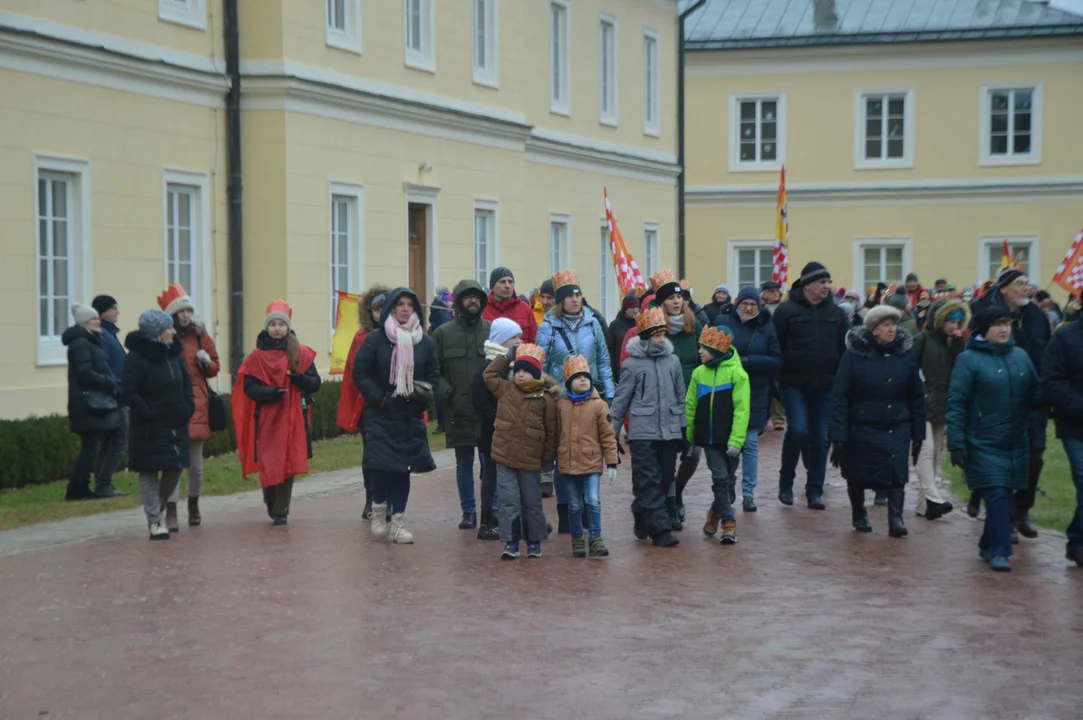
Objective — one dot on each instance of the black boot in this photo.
(1026, 528)
(487, 528)
(366, 514)
(895, 526)
(469, 521)
(665, 539)
(974, 506)
(639, 528)
(562, 519)
(674, 520)
(881, 498)
(858, 514)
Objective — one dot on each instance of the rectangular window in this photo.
(344, 24)
(651, 124)
(558, 242)
(486, 231)
(757, 133)
(486, 27)
(421, 35)
(182, 242)
(607, 71)
(559, 92)
(1011, 126)
(1022, 249)
(652, 260)
(190, 13)
(881, 260)
(885, 129)
(606, 271)
(754, 266)
(345, 236)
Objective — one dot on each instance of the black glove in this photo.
(620, 448)
(296, 378)
(958, 458)
(915, 450)
(837, 449)
(686, 447)
(422, 393)
(510, 355)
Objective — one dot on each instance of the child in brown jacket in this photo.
(587, 443)
(524, 439)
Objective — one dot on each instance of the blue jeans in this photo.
(580, 489)
(464, 476)
(996, 539)
(807, 418)
(560, 486)
(750, 462)
(1074, 450)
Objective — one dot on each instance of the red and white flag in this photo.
(780, 270)
(628, 275)
(1070, 272)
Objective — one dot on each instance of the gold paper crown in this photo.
(685, 286)
(650, 319)
(530, 350)
(718, 339)
(662, 277)
(576, 364)
(565, 277)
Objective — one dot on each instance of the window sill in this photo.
(486, 80)
(196, 18)
(773, 166)
(419, 62)
(902, 164)
(652, 132)
(344, 43)
(563, 110)
(608, 121)
(1009, 160)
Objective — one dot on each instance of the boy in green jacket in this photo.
(717, 406)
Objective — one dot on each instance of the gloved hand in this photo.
(620, 449)
(915, 450)
(686, 447)
(203, 358)
(612, 473)
(510, 355)
(958, 458)
(296, 378)
(836, 453)
(733, 451)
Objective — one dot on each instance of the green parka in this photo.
(460, 348)
(936, 354)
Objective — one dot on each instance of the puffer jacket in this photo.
(993, 386)
(813, 341)
(757, 345)
(614, 339)
(514, 309)
(716, 404)
(587, 340)
(525, 429)
(484, 402)
(460, 350)
(1062, 379)
(88, 369)
(587, 442)
(651, 393)
(193, 339)
(157, 388)
(936, 354)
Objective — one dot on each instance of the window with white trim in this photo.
(606, 272)
(346, 230)
(885, 129)
(344, 24)
(486, 42)
(421, 34)
(754, 266)
(486, 231)
(1011, 125)
(651, 121)
(607, 70)
(758, 128)
(182, 238)
(190, 13)
(652, 259)
(882, 261)
(559, 58)
(1022, 249)
(558, 243)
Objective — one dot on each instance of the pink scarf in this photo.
(404, 338)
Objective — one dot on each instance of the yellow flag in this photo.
(346, 326)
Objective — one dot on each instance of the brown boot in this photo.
(710, 528)
(171, 517)
(194, 518)
(729, 532)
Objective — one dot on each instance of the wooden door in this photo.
(419, 251)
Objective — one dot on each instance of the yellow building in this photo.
(917, 136)
(391, 141)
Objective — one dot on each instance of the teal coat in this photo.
(993, 387)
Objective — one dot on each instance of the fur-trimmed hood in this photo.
(364, 317)
(860, 341)
(942, 308)
(637, 348)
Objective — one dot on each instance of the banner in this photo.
(346, 326)
(1070, 272)
(628, 275)
(780, 269)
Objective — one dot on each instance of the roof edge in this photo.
(886, 38)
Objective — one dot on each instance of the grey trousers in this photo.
(515, 490)
(154, 492)
(195, 471)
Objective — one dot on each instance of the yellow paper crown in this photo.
(565, 277)
(650, 319)
(530, 350)
(576, 364)
(718, 339)
(663, 276)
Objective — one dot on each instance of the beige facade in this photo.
(356, 117)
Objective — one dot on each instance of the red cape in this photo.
(281, 439)
(350, 402)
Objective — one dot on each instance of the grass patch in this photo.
(221, 476)
(1053, 509)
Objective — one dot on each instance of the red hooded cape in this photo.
(280, 436)
(350, 402)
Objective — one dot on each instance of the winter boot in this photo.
(598, 548)
(675, 523)
(895, 499)
(934, 510)
(379, 520)
(729, 532)
(1027, 528)
(665, 539)
(194, 518)
(398, 532)
(171, 521)
(158, 531)
(749, 505)
(639, 528)
(974, 506)
(562, 519)
(579, 547)
(881, 498)
(858, 515)
(469, 521)
(710, 528)
(487, 529)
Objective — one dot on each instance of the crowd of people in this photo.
(545, 394)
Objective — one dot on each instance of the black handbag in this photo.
(216, 408)
(99, 401)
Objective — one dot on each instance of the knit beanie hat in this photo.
(529, 357)
(897, 301)
(630, 301)
(504, 329)
(748, 292)
(667, 290)
(565, 283)
(546, 287)
(879, 314)
(722, 288)
(1009, 276)
(103, 303)
(812, 272)
(154, 322)
(911, 277)
(279, 310)
(499, 274)
(83, 314)
(989, 317)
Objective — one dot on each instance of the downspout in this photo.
(233, 143)
(680, 134)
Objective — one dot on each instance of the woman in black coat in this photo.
(157, 388)
(396, 441)
(878, 418)
(92, 405)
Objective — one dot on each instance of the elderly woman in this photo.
(878, 418)
(993, 387)
(757, 345)
(571, 329)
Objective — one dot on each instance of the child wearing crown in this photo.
(524, 439)
(587, 442)
(717, 406)
(651, 392)
(271, 404)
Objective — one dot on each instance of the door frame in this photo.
(427, 195)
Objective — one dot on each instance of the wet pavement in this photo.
(802, 619)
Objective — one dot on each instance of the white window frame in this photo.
(1034, 157)
(189, 13)
(425, 57)
(735, 163)
(652, 251)
(652, 121)
(490, 209)
(489, 74)
(733, 250)
(50, 350)
(560, 62)
(199, 183)
(565, 244)
(987, 241)
(608, 115)
(860, 127)
(860, 244)
(355, 263)
(349, 37)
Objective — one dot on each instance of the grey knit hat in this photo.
(82, 314)
(499, 274)
(154, 322)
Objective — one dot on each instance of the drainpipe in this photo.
(680, 134)
(233, 143)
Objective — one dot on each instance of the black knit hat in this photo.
(667, 290)
(546, 287)
(499, 274)
(990, 316)
(811, 273)
(103, 303)
(1009, 276)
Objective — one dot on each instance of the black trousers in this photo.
(654, 471)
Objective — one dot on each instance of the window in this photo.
(485, 240)
(651, 123)
(186, 219)
(558, 242)
(1023, 249)
(607, 71)
(652, 260)
(606, 271)
(758, 133)
(1011, 124)
(190, 13)
(421, 35)
(881, 260)
(345, 236)
(753, 263)
(884, 129)
(63, 272)
(486, 42)
(344, 25)
(559, 92)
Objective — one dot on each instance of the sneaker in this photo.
(779, 425)
(579, 547)
(510, 552)
(158, 531)
(486, 532)
(1000, 564)
(533, 549)
(749, 504)
(729, 532)
(710, 528)
(598, 548)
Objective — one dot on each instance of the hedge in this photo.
(43, 449)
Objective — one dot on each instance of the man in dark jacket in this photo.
(1031, 332)
(614, 334)
(1062, 379)
(113, 453)
(811, 331)
(720, 303)
(460, 350)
